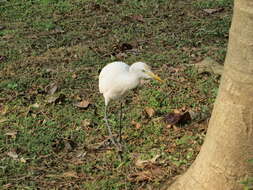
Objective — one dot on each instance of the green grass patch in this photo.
(47, 142)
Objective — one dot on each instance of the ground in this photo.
(51, 113)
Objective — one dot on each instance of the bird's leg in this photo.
(109, 128)
(120, 123)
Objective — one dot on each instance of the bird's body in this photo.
(116, 78)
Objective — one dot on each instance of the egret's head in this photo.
(144, 71)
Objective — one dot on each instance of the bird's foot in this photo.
(116, 143)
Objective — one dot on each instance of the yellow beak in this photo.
(154, 76)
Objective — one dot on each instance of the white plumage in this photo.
(116, 78)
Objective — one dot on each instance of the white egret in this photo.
(116, 78)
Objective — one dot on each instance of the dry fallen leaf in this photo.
(153, 160)
(185, 117)
(3, 120)
(121, 55)
(2, 27)
(51, 99)
(177, 117)
(147, 175)
(8, 36)
(56, 98)
(136, 124)
(11, 134)
(2, 58)
(172, 118)
(77, 162)
(141, 176)
(49, 70)
(124, 47)
(36, 105)
(12, 154)
(150, 111)
(208, 65)
(3, 109)
(7, 186)
(176, 111)
(74, 76)
(138, 18)
(157, 172)
(70, 174)
(86, 123)
(142, 163)
(82, 104)
(51, 89)
(22, 160)
(212, 11)
(81, 154)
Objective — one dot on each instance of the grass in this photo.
(47, 142)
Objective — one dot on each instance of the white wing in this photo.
(110, 73)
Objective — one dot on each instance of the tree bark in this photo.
(223, 160)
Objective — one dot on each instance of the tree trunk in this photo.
(223, 160)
